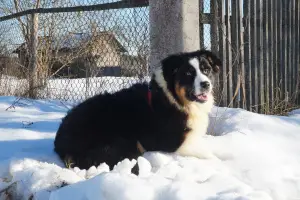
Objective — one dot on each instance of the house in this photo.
(78, 55)
(9, 66)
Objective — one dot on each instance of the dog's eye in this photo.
(205, 71)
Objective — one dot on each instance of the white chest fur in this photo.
(194, 144)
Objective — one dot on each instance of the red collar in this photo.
(149, 98)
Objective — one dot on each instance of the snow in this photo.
(258, 155)
(66, 89)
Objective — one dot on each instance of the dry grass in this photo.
(281, 107)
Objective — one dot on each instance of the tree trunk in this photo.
(32, 77)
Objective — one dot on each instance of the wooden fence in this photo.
(259, 42)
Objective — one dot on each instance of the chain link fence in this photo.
(83, 47)
(205, 27)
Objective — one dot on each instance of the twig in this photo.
(26, 124)
(22, 97)
(14, 103)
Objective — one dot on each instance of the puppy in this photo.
(170, 114)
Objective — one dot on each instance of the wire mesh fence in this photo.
(83, 47)
(80, 52)
(205, 27)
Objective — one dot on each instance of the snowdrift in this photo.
(259, 159)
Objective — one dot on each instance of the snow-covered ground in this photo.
(65, 89)
(259, 160)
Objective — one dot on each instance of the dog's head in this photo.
(189, 76)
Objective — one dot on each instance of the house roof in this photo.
(75, 40)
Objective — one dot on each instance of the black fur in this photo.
(106, 127)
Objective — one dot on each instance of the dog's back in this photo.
(103, 128)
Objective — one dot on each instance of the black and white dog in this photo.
(170, 114)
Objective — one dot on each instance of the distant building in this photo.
(79, 55)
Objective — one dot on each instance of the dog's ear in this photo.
(213, 59)
(171, 64)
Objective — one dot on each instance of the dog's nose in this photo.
(205, 84)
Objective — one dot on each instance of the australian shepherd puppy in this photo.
(170, 114)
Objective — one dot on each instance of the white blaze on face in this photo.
(200, 77)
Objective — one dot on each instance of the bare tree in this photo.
(52, 32)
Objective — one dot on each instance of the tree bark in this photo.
(32, 76)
